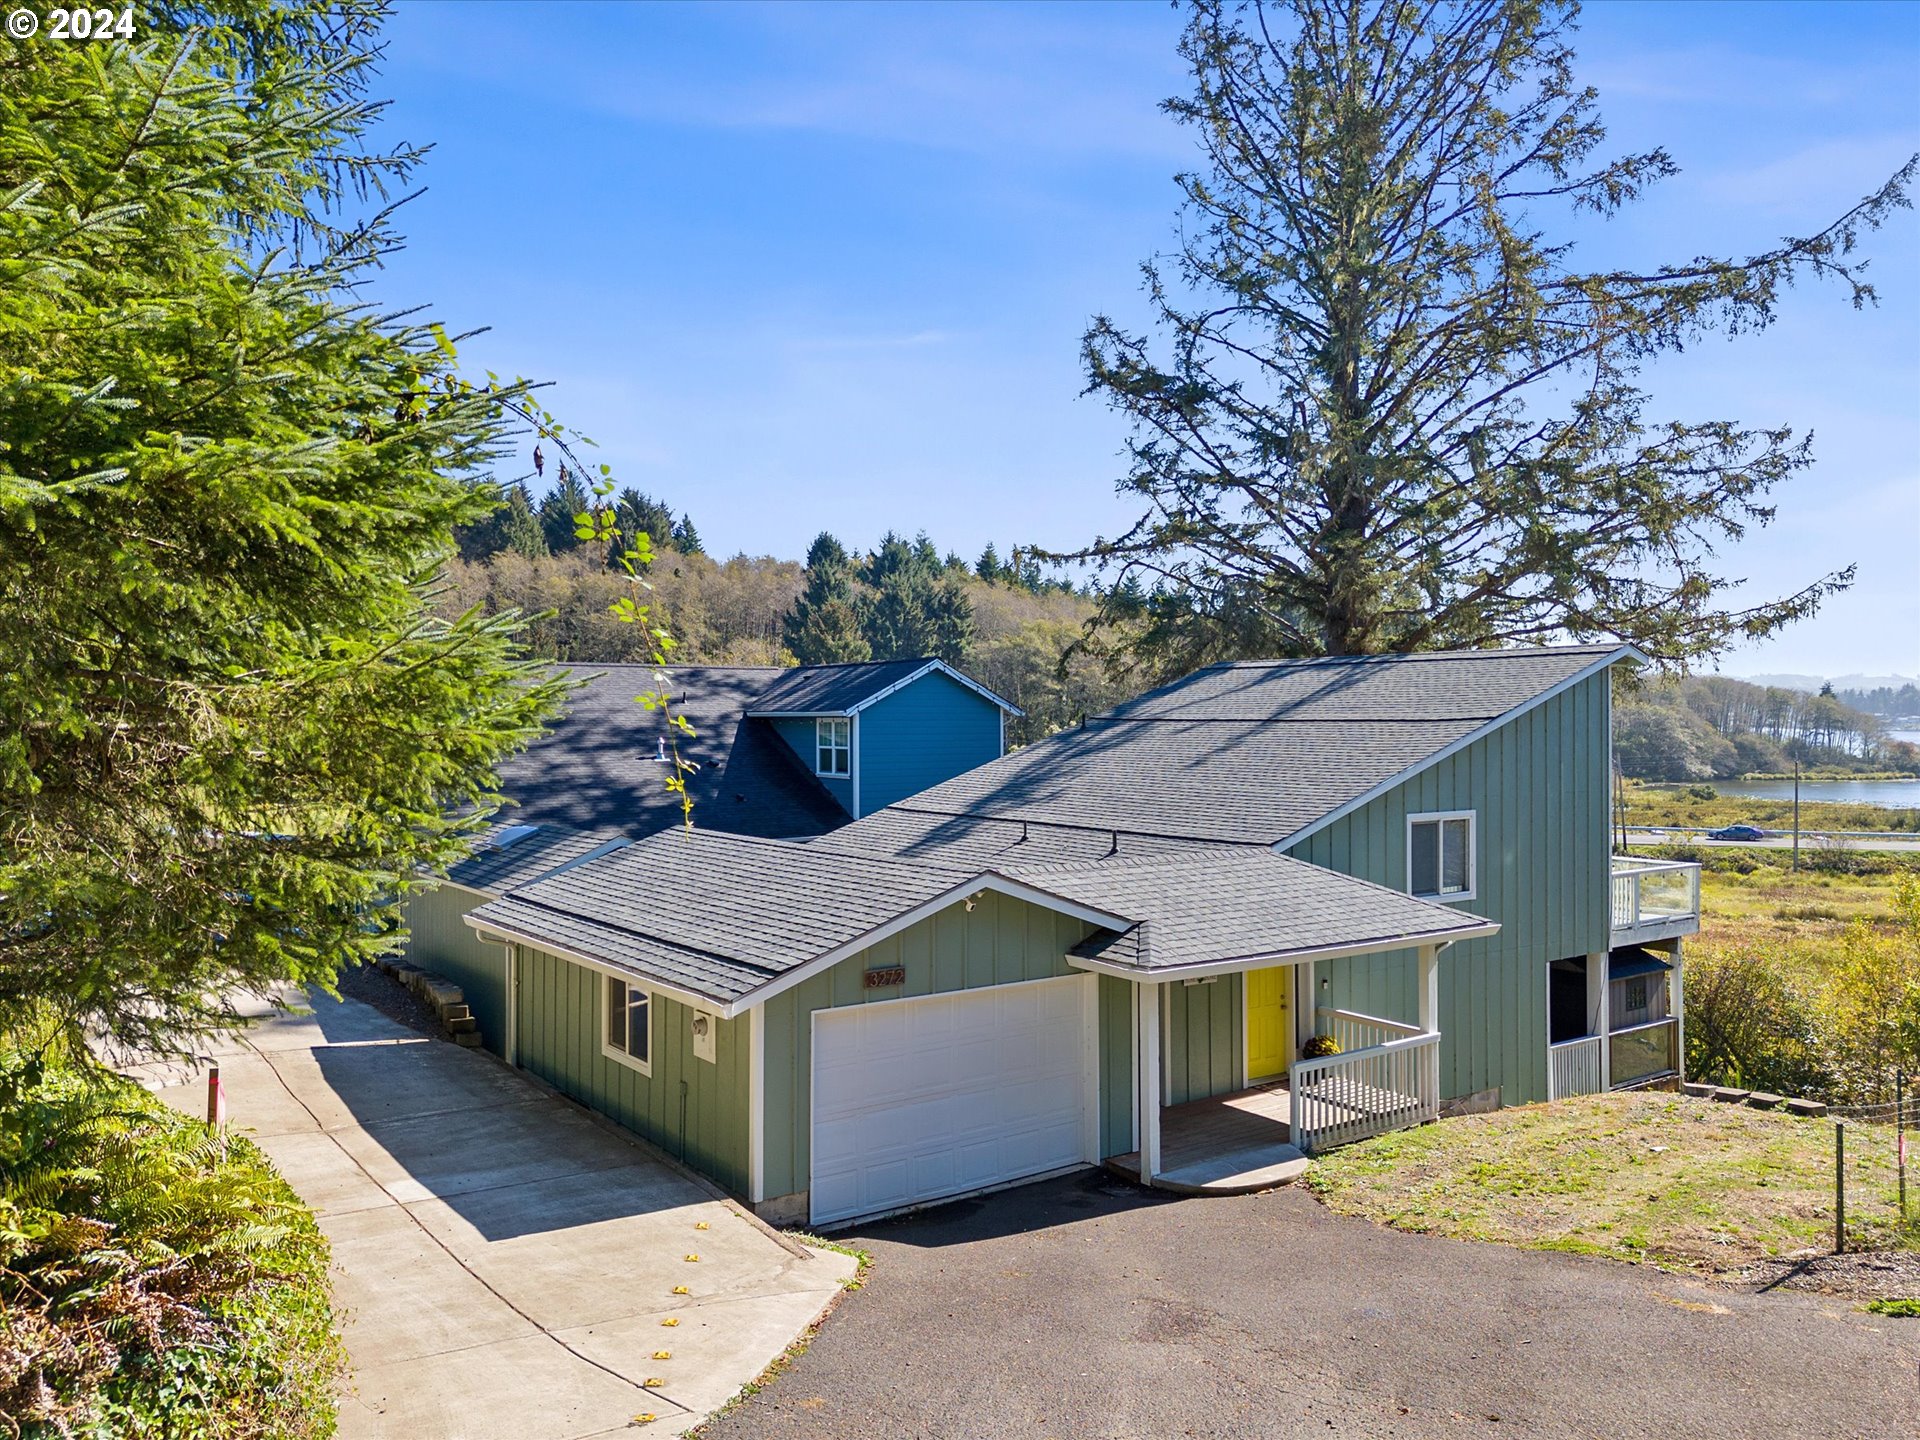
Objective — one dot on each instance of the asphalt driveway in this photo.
(1086, 1309)
(505, 1262)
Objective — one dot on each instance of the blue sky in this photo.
(800, 267)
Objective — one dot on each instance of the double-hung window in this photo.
(629, 1028)
(833, 740)
(1440, 860)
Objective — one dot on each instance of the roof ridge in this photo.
(1498, 652)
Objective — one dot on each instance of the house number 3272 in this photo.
(100, 24)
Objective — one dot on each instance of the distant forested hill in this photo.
(1709, 726)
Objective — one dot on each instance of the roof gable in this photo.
(848, 689)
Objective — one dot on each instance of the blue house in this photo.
(780, 752)
(1269, 908)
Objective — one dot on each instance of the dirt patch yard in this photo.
(1681, 1182)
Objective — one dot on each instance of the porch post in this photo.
(1147, 1077)
(1429, 988)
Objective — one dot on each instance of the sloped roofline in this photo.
(784, 980)
(1473, 736)
(933, 665)
(1233, 965)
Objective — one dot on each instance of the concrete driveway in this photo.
(1086, 1309)
(504, 1261)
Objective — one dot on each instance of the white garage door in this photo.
(925, 1099)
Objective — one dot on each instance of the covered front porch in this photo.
(1384, 1075)
(1239, 1066)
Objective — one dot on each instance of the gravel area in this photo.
(392, 999)
(1870, 1275)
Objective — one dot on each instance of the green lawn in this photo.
(1639, 1176)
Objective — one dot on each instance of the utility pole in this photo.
(1796, 810)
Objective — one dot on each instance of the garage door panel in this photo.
(917, 1100)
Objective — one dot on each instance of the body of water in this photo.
(1897, 794)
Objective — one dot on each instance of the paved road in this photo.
(1773, 842)
(1083, 1309)
(504, 1261)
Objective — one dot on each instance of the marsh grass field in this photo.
(1705, 807)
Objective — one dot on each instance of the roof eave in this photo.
(1233, 965)
(493, 932)
(847, 711)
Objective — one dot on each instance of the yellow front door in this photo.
(1268, 1048)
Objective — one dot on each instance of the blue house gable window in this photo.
(833, 745)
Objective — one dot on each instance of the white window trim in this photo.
(819, 744)
(1454, 897)
(614, 1052)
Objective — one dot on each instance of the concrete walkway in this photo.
(505, 1263)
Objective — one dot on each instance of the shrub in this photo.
(153, 1281)
(1319, 1047)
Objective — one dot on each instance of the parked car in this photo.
(1737, 832)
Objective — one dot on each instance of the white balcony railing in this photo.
(1385, 1085)
(1575, 1067)
(1654, 899)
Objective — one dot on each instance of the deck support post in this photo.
(1599, 1021)
(1146, 1053)
(1677, 1002)
(1429, 988)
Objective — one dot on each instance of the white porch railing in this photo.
(1654, 899)
(1353, 1031)
(1575, 1067)
(1385, 1085)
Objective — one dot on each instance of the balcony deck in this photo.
(1654, 900)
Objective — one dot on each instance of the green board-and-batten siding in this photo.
(1000, 941)
(1539, 787)
(1203, 1041)
(694, 1109)
(440, 940)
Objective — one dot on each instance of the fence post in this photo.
(1839, 1187)
(1900, 1134)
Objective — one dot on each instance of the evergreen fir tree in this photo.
(824, 625)
(987, 567)
(1387, 406)
(234, 732)
(558, 511)
(686, 539)
(519, 527)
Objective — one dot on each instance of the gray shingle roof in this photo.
(1228, 904)
(1254, 753)
(747, 907)
(987, 842)
(547, 848)
(593, 768)
(1438, 686)
(833, 689)
(719, 916)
